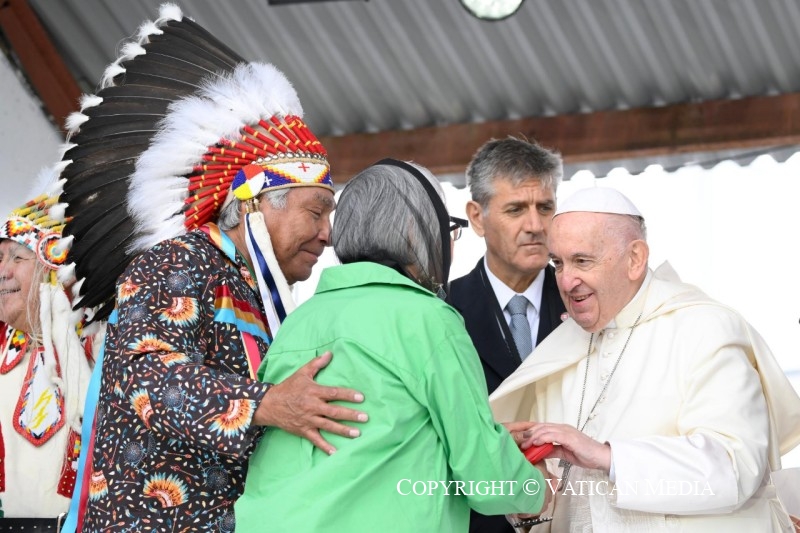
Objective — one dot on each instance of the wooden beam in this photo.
(714, 125)
(708, 126)
(40, 59)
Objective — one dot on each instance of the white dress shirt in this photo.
(533, 293)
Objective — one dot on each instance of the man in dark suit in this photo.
(509, 301)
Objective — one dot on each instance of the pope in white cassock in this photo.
(670, 410)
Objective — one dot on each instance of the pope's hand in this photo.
(519, 430)
(575, 446)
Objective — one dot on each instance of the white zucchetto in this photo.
(598, 200)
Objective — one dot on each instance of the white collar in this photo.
(504, 293)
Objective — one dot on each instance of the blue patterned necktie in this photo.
(520, 327)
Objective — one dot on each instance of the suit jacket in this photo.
(473, 297)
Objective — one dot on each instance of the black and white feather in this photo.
(173, 92)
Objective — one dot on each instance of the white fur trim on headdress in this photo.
(58, 212)
(75, 120)
(66, 275)
(168, 12)
(111, 72)
(224, 104)
(47, 182)
(132, 49)
(90, 100)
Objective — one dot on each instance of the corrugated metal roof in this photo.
(403, 64)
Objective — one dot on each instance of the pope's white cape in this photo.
(562, 350)
(567, 346)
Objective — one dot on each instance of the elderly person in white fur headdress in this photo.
(44, 369)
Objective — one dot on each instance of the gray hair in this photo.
(384, 215)
(513, 159)
(229, 216)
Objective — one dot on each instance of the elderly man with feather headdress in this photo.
(199, 197)
(45, 357)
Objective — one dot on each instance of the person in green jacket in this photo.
(431, 449)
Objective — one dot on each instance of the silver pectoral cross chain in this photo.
(565, 465)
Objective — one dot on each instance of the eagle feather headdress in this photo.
(180, 121)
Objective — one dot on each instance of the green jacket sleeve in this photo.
(478, 449)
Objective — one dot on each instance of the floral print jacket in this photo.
(174, 421)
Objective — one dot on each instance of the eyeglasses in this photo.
(456, 224)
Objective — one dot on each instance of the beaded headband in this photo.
(32, 226)
(277, 155)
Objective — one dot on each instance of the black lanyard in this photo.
(499, 316)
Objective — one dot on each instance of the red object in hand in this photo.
(534, 454)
